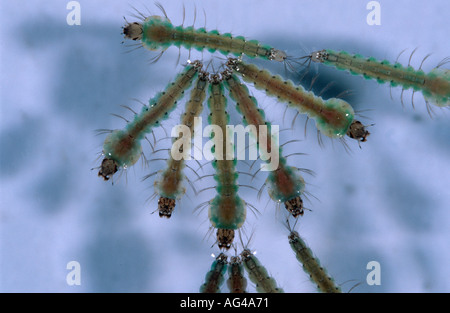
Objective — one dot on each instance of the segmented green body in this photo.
(285, 182)
(236, 281)
(215, 277)
(435, 86)
(123, 146)
(258, 274)
(160, 33)
(170, 183)
(227, 210)
(311, 265)
(333, 117)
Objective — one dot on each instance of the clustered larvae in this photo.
(227, 211)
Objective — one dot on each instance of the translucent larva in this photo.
(227, 211)
(435, 86)
(285, 184)
(311, 265)
(215, 277)
(258, 274)
(236, 282)
(333, 117)
(169, 185)
(122, 148)
(158, 33)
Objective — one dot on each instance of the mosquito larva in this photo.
(227, 211)
(258, 274)
(122, 148)
(236, 282)
(333, 117)
(169, 185)
(215, 277)
(286, 185)
(435, 86)
(158, 33)
(311, 265)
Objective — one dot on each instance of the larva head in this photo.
(232, 64)
(319, 56)
(295, 206)
(108, 168)
(222, 258)
(225, 238)
(358, 131)
(293, 236)
(277, 55)
(246, 254)
(133, 31)
(166, 207)
(235, 260)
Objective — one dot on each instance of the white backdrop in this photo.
(387, 202)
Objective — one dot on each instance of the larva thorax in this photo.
(215, 277)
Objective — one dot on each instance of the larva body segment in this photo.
(258, 274)
(236, 282)
(215, 277)
(435, 86)
(285, 184)
(311, 265)
(227, 211)
(169, 185)
(333, 117)
(123, 147)
(158, 33)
